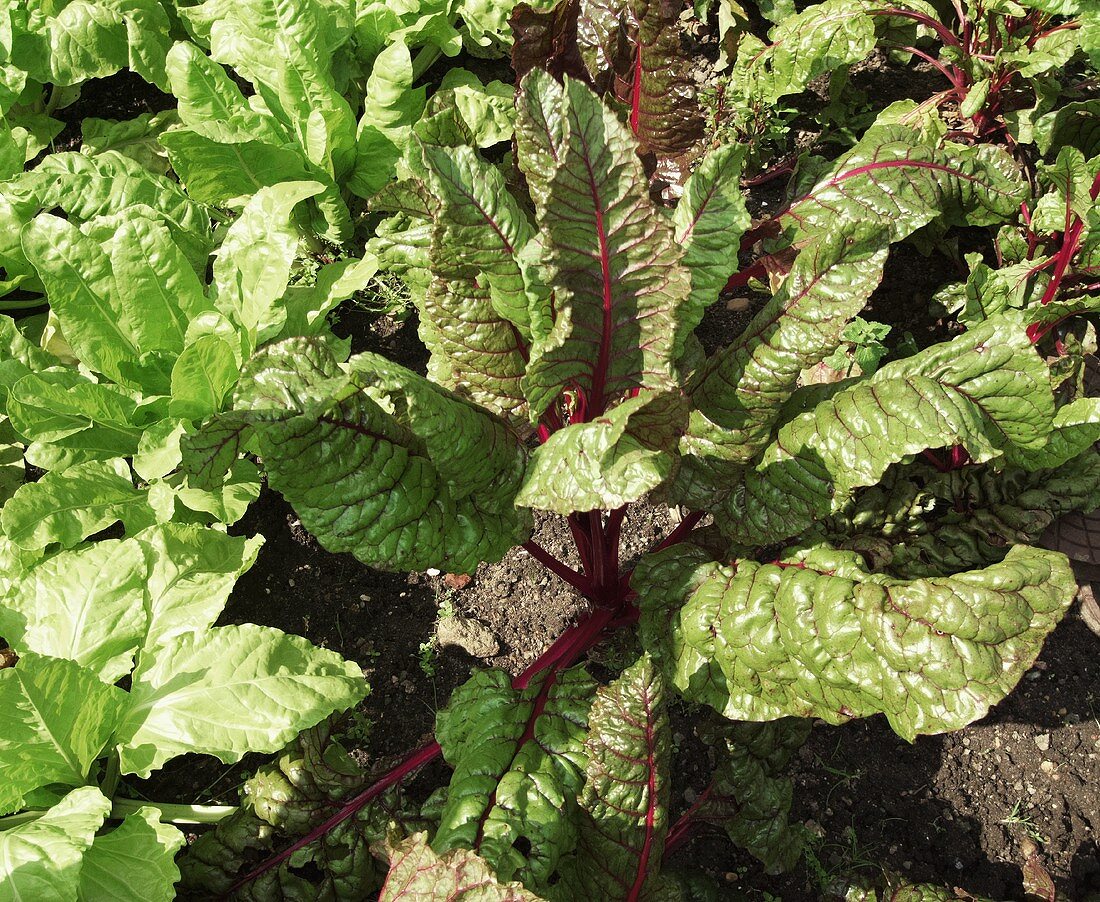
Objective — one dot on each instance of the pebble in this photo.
(432, 571)
(1042, 742)
(1047, 767)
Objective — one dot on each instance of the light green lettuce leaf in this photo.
(56, 717)
(86, 605)
(229, 691)
(42, 859)
(72, 504)
(135, 862)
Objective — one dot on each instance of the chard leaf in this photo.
(1076, 428)
(988, 390)
(70, 505)
(86, 605)
(626, 789)
(57, 717)
(608, 462)
(820, 39)
(613, 263)
(750, 794)
(821, 637)
(737, 393)
(903, 179)
(892, 183)
(710, 219)
(134, 862)
(190, 571)
(518, 768)
(227, 691)
(665, 114)
(475, 315)
(296, 83)
(540, 133)
(417, 874)
(42, 859)
(400, 491)
(976, 511)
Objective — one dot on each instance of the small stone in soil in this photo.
(1042, 741)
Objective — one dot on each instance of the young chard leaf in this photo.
(518, 770)
(625, 797)
(612, 260)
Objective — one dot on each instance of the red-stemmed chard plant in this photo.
(566, 379)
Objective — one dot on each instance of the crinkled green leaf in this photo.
(477, 309)
(1076, 428)
(987, 390)
(71, 505)
(710, 219)
(57, 717)
(400, 490)
(42, 859)
(664, 111)
(135, 138)
(820, 39)
(918, 522)
(518, 758)
(134, 862)
(609, 462)
(86, 605)
(737, 393)
(625, 797)
(282, 801)
(750, 793)
(822, 637)
(227, 691)
(612, 260)
(418, 874)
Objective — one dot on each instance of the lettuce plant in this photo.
(565, 379)
(135, 350)
(334, 106)
(142, 608)
(50, 49)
